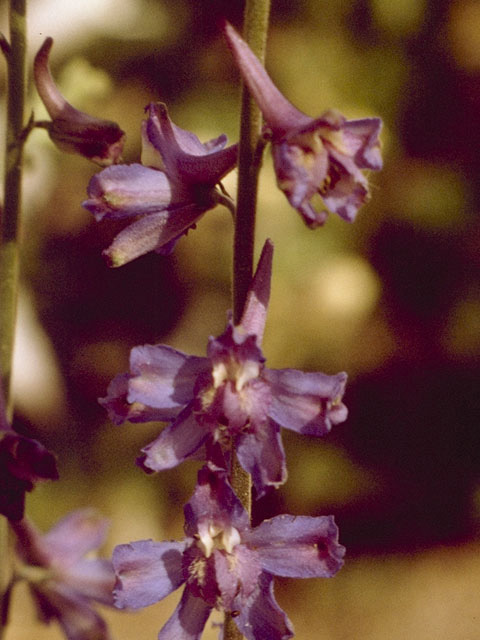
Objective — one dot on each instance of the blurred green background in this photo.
(393, 299)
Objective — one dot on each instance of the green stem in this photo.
(9, 244)
(9, 223)
(255, 29)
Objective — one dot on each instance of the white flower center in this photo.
(239, 373)
(214, 537)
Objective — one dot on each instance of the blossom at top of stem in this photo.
(227, 399)
(23, 463)
(74, 131)
(224, 564)
(172, 188)
(64, 578)
(325, 155)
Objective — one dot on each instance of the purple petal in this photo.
(147, 571)
(260, 617)
(298, 546)
(77, 618)
(361, 140)
(214, 502)
(237, 575)
(188, 620)
(348, 188)
(123, 191)
(203, 166)
(74, 536)
(163, 378)
(309, 403)
(94, 579)
(261, 454)
(256, 306)
(176, 443)
(278, 112)
(119, 410)
(150, 233)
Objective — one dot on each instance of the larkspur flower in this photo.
(74, 131)
(64, 583)
(227, 398)
(325, 155)
(23, 463)
(225, 564)
(172, 188)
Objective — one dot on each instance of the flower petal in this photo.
(163, 378)
(360, 138)
(214, 502)
(236, 574)
(309, 403)
(123, 191)
(119, 410)
(188, 620)
(77, 618)
(300, 174)
(260, 617)
(258, 296)
(176, 443)
(298, 546)
(94, 579)
(74, 536)
(147, 571)
(278, 112)
(187, 163)
(151, 233)
(261, 454)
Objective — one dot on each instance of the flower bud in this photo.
(73, 131)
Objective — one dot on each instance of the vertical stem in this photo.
(9, 222)
(255, 33)
(255, 28)
(9, 248)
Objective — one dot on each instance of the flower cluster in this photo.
(228, 398)
(172, 188)
(324, 155)
(63, 581)
(226, 564)
(221, 407)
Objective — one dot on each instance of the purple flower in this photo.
(71, 130)
(172, 188)
(325, 155)
(23, 463)
(64, 582)
(224, 564)
(227, 397)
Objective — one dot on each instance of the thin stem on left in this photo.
(9, 221)
(9, 241)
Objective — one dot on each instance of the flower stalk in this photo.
(14, 52)
(256, 17)
(9, 221)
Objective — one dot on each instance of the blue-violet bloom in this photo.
(74, 131)
(64, 581)
(172, 188)
(224, 564)
(227, 398)
(325, 155)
